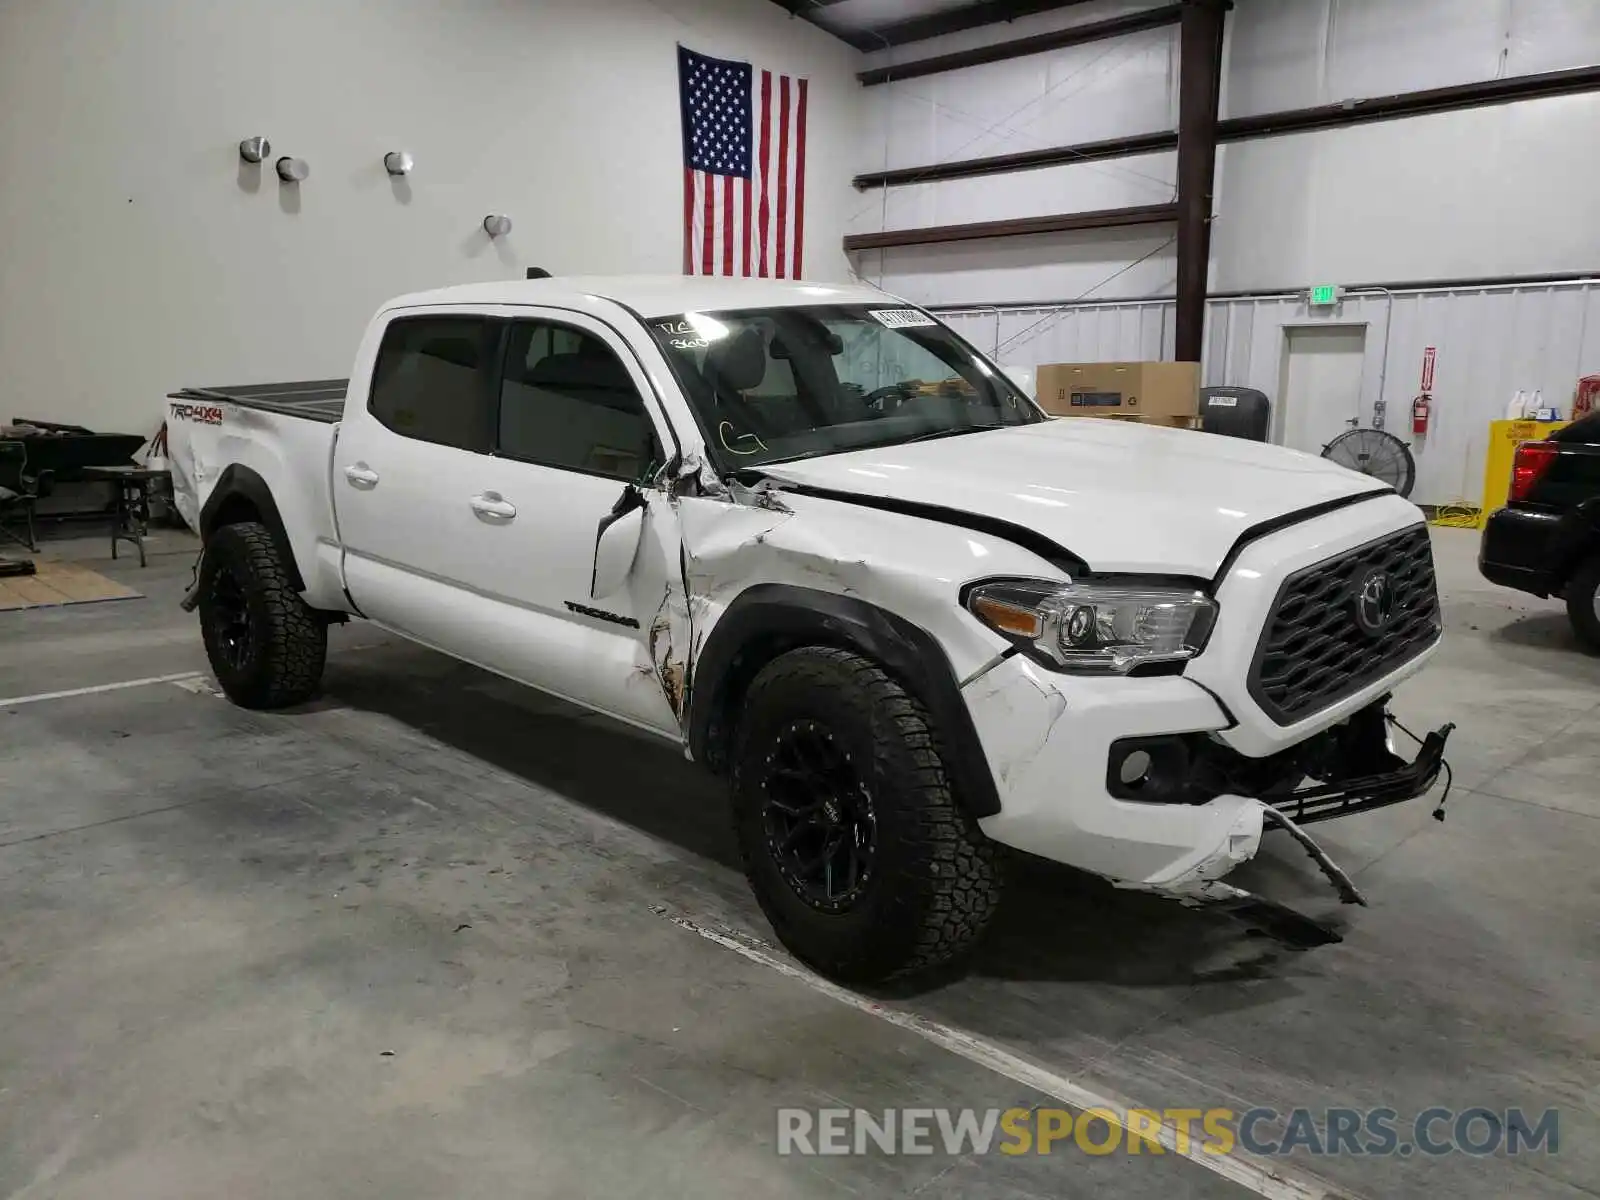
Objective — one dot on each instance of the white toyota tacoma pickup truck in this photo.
(812, 537)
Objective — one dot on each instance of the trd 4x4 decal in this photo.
(205, 414)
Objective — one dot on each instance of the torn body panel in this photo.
(658, 596)
(912, 568)
(1049, 738)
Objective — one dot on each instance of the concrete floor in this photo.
(412, 941)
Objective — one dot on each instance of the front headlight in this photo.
(1097, 628)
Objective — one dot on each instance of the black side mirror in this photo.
(615, 540)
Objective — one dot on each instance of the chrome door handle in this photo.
(494, 506)
(361, 475)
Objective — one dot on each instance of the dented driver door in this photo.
(579, 446)
(507, 574)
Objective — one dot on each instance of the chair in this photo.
(1239, 412)
(19, 491)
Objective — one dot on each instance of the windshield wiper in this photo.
(929, 435)
(940, 433)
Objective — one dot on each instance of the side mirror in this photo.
(616, 541)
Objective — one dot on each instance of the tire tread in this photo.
(957, 895)
(296, 642)
(1580, 596)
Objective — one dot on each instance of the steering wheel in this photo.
(877, 400)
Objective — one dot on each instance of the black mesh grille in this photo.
(1317, 648)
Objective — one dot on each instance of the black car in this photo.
(1546, 540)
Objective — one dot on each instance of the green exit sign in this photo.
(1325, 293)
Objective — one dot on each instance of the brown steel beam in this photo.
(1413, 104)
(1199, 85)
(1105, 218)
(1239, 129)
(1040, 43)
(954, 20)
(1393, 285)
(1025, 160)
(801, 8)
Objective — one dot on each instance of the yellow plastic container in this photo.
(1504, 438)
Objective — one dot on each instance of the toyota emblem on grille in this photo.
(1374, 602)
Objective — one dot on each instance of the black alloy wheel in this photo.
(818, 816)
(228, 612)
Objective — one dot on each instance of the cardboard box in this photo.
(1145, 419)
(1144, 389)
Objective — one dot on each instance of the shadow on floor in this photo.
(589, 760)
(1545, 630)
(1055, 924)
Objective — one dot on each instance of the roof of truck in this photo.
(652, 295)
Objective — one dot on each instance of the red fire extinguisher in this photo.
(1419, 413)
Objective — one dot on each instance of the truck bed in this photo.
(314, 399)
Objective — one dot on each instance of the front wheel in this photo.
(850, 834)
(266, 645)
(1583, 604)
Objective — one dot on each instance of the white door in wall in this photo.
(1319, 385)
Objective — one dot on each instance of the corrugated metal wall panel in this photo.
(1489, 342)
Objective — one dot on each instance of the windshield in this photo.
(783, 383)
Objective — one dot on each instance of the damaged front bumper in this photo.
(1090, 775)
(1356, 787)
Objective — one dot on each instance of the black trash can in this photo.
(1239, 412)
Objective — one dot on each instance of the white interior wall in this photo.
(1287, 54)
(983, 35)
(1490, 343)
(1483, 192)
(1133, 262)
(1501, 190)
(140, 255)
(1081, 93)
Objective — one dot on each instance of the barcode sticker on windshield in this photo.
(900, 318)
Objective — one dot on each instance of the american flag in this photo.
(744, 168)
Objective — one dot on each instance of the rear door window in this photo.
(432, 381)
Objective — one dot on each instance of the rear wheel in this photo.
(1583, 604)
(851, 837)
(266, 645)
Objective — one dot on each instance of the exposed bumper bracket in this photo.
(1393, 780)
(1348, 892)
(1385, 779)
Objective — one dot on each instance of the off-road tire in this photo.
(936, 880)
(1583, 595)
(288, 641)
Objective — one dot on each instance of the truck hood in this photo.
(1120, 496)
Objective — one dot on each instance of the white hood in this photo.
(1119, 495)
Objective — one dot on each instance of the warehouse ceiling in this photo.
(880, 24)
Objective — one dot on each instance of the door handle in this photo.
(494, 506)
(361, 475)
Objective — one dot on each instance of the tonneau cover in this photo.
(313, 399)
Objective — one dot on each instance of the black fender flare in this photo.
(240, 491)
(772, 618)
